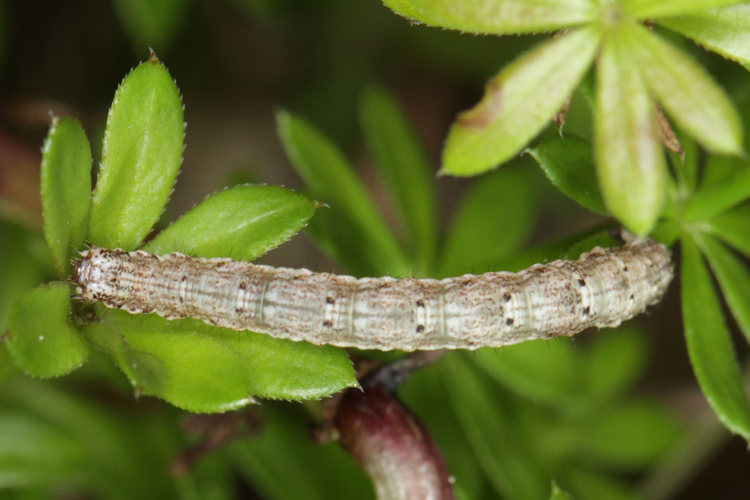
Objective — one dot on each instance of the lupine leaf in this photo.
(41, 340)
(687, 92)
(722, 30)
(652, 10)
(709, 346)
(66, 189)
(242, 222)
(629, 159)
(141, 155)
(496, 16)
(569, 164)
(502, 123)
(330, 179)
(402, 161)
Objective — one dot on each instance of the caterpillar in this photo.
(601, 289)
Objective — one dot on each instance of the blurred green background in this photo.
(236, 62)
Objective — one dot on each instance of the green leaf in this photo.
(204, 368)
(283, 450)
(717, 198)
(403, 163)
(65, 189)
(723, 31)
(569, 165)
(734, 280)
(493, 219)
(709, 346)
(630, 435)
(687, 92)
(141, 155)
(493, 433)
(733, 226)
(330, 179)
(40, 339)
(503, 122)
(242, 222)
(496, 16)
(649, 9)
(629, 159)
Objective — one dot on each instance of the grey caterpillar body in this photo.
(603, 288)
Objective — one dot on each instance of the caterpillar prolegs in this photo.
(602, 288)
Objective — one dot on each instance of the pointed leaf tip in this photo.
(142, 152)
(502, 123)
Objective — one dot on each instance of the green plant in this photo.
(508, 422)
(634, 67)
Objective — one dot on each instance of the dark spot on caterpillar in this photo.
(632, 297)
(586, 310)
(509, 321)
(625, 269)
(329, 300)
(506, 297)
(184, 278)
(581, 282)
(243, 285)
(237, 310)
(327, 323)
(420, 328)
(420, 303)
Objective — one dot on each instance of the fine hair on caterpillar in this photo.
(602, 288)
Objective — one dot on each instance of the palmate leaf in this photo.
(709, 345)
(142, 152)
(496, 16)
(503, 122)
